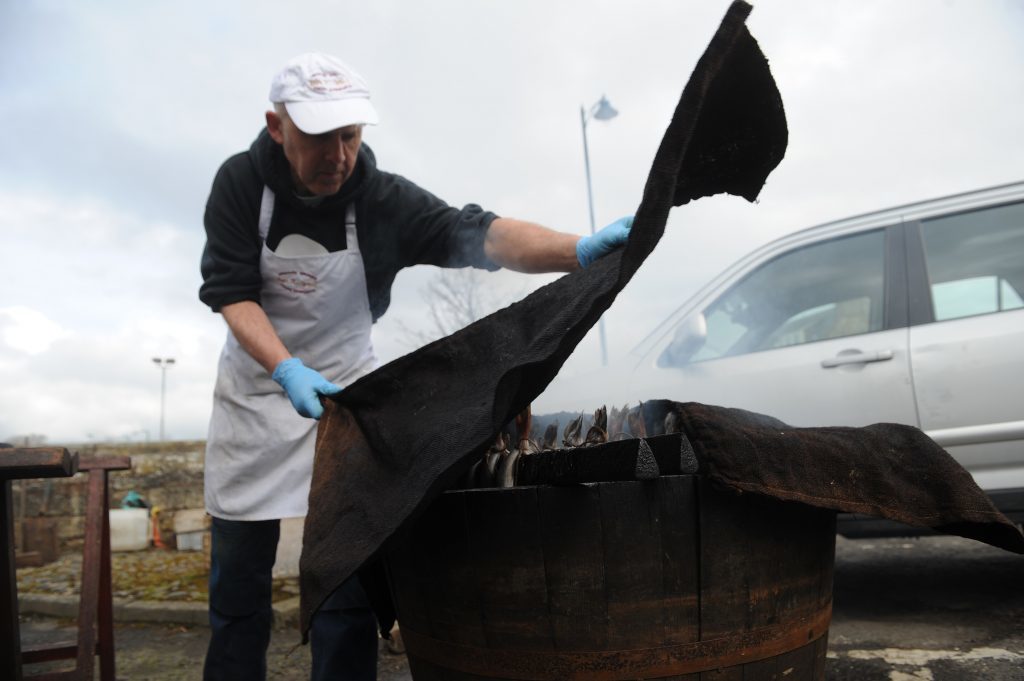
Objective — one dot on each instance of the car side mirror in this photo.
(688, 338)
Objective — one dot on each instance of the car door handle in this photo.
(857, 358)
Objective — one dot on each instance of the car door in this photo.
(814, 336)
(967, 339)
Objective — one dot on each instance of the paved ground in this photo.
(932, 609)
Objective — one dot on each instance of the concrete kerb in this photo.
(286, 612)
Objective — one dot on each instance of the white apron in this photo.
(259, 451)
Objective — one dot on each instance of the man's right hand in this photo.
(303, 386)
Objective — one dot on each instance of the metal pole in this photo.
(590, 206)
(163, 392)
(586, 165)
(163, 363)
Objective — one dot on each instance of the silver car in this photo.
(913, 315)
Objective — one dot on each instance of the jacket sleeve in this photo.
(434, 233)
(230, 262)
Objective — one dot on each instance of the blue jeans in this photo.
(343, 632)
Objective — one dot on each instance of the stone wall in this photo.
(167, 475)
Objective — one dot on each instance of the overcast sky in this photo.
(116, 116)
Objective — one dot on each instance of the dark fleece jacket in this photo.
(398, 225)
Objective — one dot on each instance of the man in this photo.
(304, 239)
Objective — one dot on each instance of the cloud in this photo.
(96, 294)
(103, 385)
(27, 331)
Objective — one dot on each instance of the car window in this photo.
(976, 261)
(822, 291)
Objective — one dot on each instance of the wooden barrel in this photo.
(660, 579)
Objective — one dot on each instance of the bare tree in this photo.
(455, 298)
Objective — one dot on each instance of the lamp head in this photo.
(603, 110)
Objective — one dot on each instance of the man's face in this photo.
(320, 163)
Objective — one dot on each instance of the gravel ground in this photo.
(150, 575)
(176, 653)
(164, 652)
(935, 609)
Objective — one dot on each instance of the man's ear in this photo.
(275, 127)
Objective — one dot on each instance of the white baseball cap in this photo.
(322, 93)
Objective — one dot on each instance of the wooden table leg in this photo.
(10, 631)
(96, 607)
(106, 603)
(89, 595)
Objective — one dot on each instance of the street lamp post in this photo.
(164, 363)
(601, 111)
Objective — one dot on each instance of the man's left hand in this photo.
(609, 238)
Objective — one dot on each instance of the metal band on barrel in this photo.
(620, 665)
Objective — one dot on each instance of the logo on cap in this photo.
(328, 81)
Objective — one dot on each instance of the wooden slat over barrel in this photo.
(666, 578)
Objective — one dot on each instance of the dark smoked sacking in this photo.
(425, 417)
(389, 444)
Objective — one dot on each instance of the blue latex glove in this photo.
(609, 238)
(303, 386)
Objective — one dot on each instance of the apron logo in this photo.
(297, 282)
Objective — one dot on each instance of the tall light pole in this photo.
(601, 111)
(164, 363)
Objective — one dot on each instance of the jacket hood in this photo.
(273, 169)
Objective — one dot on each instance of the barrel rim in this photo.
(621, 665)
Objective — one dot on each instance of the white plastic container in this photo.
(190, 528)
(190, 541)
(130, 529)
